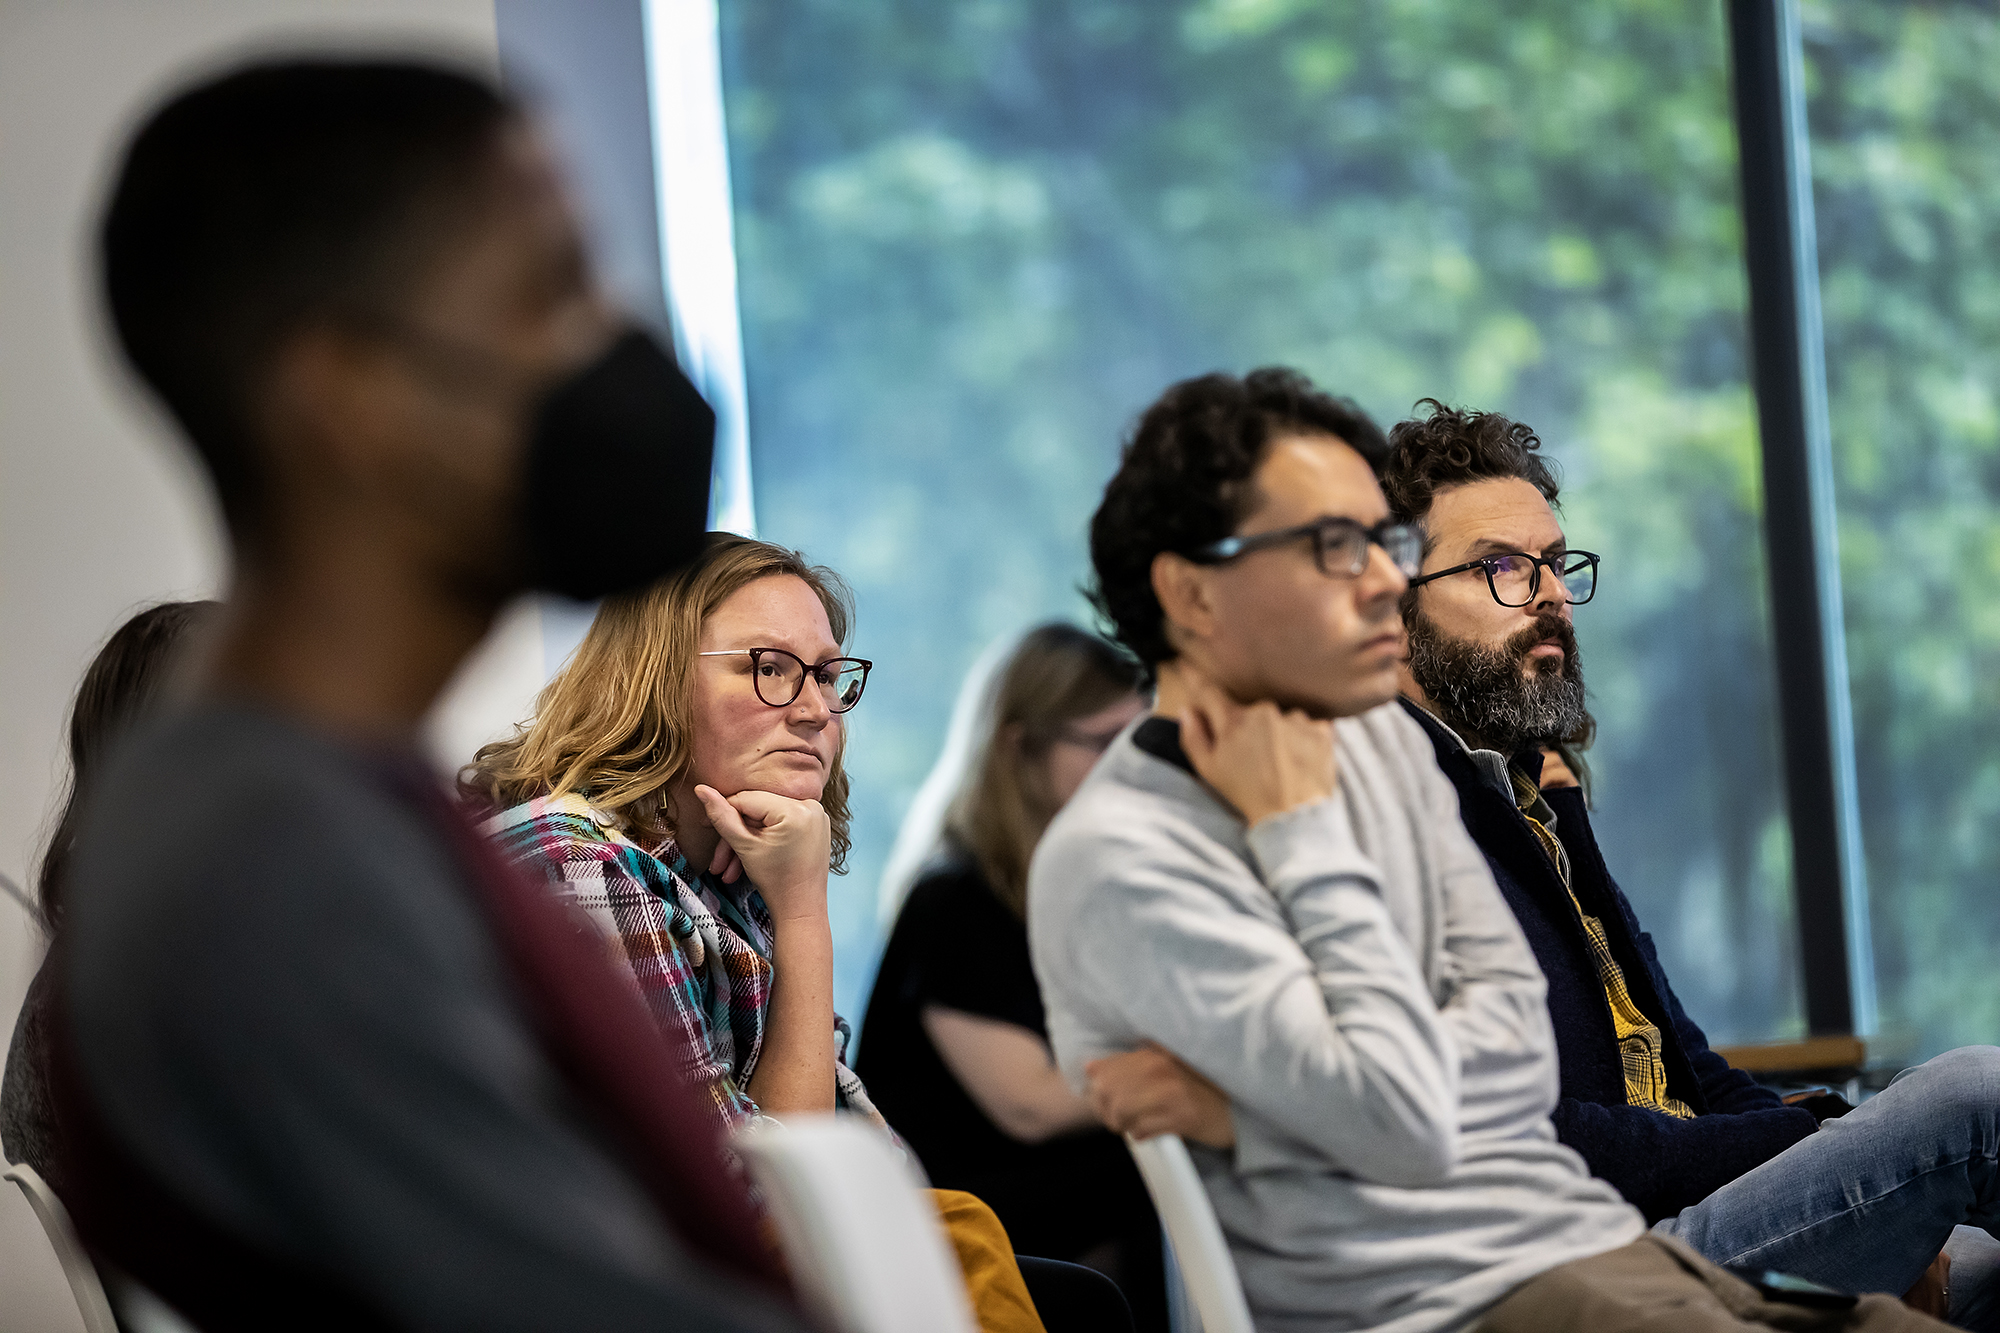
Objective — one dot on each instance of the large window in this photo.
(974, 240)
(1905, 120)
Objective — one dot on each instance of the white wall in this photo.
(99, 511)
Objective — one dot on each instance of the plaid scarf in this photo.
(698, 949)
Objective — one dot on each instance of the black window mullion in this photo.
(1802, 557)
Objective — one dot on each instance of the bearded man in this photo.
(1887, 1197)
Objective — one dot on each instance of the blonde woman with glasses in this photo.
(726, 678)
(681, 785)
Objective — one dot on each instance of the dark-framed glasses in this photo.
(1340, 545)
(1515, 578)
(779, 677)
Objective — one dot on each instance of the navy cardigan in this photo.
(1660, 1163)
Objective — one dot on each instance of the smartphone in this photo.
(1794, 1290)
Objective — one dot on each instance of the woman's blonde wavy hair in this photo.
(1058, 674)
(615, 724)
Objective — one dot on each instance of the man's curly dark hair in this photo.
(1183, 482)
(1448, 446)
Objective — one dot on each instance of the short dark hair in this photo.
(1447, 446)
(279, 193)
(1183, 482)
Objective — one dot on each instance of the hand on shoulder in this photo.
(1556, 771)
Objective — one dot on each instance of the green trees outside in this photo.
(975, 239)
(1905, 118)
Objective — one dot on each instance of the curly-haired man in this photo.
(1861, 1202)
(1266, 882)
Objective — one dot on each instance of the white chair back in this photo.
(97, 1293)
(75, 1261)
(863, 1239)
(1208, 1274)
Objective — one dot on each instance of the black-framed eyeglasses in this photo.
(1340, 545)
(779, 677)
(1515, 578)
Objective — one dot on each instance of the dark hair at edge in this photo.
(277, 195)
(1183, 481)
(1449, 446)
(120, 686)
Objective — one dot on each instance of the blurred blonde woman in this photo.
(954, 1046)
(681, 785)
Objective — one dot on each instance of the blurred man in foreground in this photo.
(1268, 879)
(320, 1061)
(1864, 1201)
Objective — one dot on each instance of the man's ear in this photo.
(332, 406)
(1185, 598)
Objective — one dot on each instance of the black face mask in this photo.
(615, 489)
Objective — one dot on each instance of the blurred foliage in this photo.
(1905, 118)
(975, 239)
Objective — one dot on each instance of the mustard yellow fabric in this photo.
(1639, 1041)
(1000, 1300)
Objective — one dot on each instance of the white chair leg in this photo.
(1199, 1250)
(76, 1264)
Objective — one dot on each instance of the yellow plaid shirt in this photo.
(1638, 1037)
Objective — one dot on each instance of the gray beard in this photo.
(1486, 694)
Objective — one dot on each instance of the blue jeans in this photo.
(1867, 1203)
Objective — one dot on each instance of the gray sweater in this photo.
(1348, 974)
